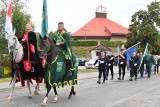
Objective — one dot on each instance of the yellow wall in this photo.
(119, 38)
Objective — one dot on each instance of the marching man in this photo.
(133, 64)
(122, 64)
(110, 65)
(102, 60)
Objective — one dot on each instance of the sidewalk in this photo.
(80, 77)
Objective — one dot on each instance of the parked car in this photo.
(90, 63)
(82, 61)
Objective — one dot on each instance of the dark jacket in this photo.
(32, 41)
(122, 59)
(134, 61)
(102, 62)
(111, 60)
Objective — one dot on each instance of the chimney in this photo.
(101, 12)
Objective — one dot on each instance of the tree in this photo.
(144, 28)
(19, 19)
(19, 16)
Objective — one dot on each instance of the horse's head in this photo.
(12, 39)
(45, 47)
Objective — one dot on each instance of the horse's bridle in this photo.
(50, 51)
(14, 47)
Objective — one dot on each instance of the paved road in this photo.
(141, 93)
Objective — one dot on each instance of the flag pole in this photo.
(130, 47)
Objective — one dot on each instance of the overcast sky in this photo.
(76, 13)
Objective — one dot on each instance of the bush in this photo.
(84, 43)
(112, 43)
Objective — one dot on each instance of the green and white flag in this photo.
(144, 54)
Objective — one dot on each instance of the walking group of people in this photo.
(137, 63)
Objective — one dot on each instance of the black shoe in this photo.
(106, 77)
(122, 78)
(119, 78)
(98, 82)
(135, 78)
(103, 82)
(130, 79)
(112, 78)
(149, 76)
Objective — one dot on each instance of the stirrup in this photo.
(69, 73)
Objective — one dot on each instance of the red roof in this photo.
(101, 27)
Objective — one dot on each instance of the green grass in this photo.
(84, 51)
(81, 71)
(5, 80)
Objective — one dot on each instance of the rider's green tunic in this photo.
(56, 72)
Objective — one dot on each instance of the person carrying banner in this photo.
(29, 42)
(122, 64)
(62, 39)
(133, 64)
(141, 68)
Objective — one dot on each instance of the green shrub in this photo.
(84, 43)
(112, 43)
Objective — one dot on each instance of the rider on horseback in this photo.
(29, 42)
(62, 40)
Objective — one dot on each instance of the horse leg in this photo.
(36, 89)
(13, 86)
(74, 92)
(71, 93)
(44, 103)
(29, 88)
(56, 95)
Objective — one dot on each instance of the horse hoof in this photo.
(36, 93)
(55, 99)
(29, 97)
(70, 96)
(9, 98)
(44, 104)
(74, 93)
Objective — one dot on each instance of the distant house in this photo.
(96, 50)
(102, 28)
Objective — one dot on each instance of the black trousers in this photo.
(123, 70)
(111, 69)
(156, 68)
(133, 72)
(100, 73)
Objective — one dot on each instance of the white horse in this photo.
(16, 48)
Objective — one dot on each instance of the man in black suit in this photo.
(110, 65)
(102, 60)
(134, 64)
(122, 64)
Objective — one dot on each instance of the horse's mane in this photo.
(53, 45)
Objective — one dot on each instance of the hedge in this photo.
(112, 43)
(84, 43)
